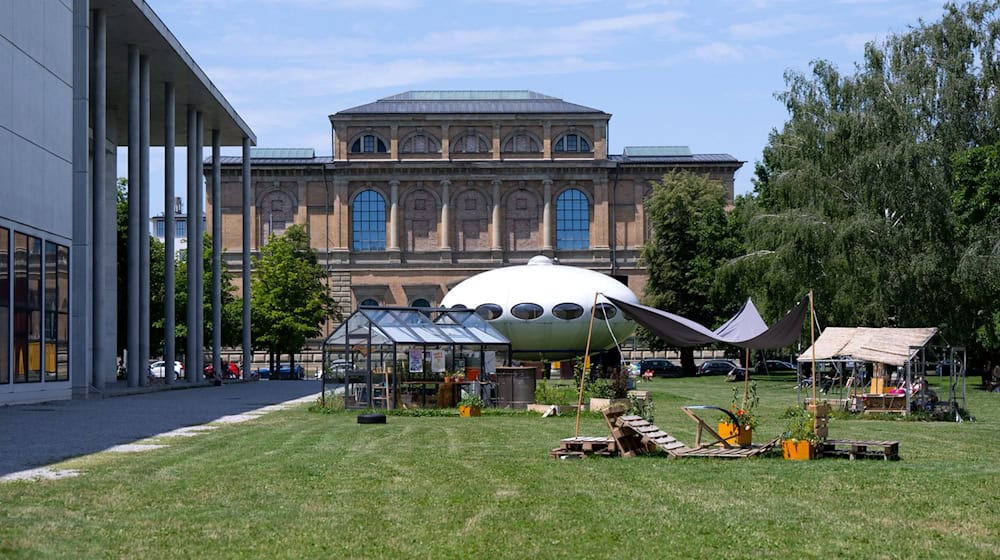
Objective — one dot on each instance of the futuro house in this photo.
(544, 308)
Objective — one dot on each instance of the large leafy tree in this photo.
(155, 276)
(854, 194)
(289, 298)
(976, 201)
(690, 239)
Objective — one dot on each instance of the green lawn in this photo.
(296, 484)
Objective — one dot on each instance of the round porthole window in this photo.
(567, 311)
(605, 311)
(489, 311)
(527, 311)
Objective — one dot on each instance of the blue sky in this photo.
(671, 72)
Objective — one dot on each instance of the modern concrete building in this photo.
(78, 80)
(427, 188)
(158, 225)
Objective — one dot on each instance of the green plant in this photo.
(801, 425)
(471, 399)
(601, 389)
(641, 407)
(743, 408)
(546, 393)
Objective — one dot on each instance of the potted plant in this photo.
(800, 439)
(743, 409)
(470, 405)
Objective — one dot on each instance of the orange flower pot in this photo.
(798, 449)
(468, 411)
(729, 431)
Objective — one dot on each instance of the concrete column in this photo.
(143, 232)
(134, 219)
(105, 319)
(247, 357)
(191, 316)
(547, 140)
(169, 230)
(496, 141)
(497, 225)
(445, 142)
(81, 286)
(445, 218)
(394, 141)
(216, 253)
(547, 214)
(199, 240)
(394, 215)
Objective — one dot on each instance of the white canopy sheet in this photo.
(886, 345)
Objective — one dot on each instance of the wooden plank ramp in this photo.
(635, 435)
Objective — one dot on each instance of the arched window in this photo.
(572, 220)
(368, 222)
(277, 212)
(522, 142)
(368, 144)
(420, 143)
(420, 302)
(470, 143)
(572, 143)
(368, 303)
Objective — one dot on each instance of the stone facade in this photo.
(462, 182)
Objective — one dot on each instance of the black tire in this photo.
(371, 419)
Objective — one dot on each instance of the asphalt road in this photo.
(40, 434)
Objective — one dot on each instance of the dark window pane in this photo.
(369, 303)
(571, 142)
(356, 146)
(420, 302)
(489, 311)
(567, 311)
(527, 311)
(369, 143)
(27, 308)
(605, 311)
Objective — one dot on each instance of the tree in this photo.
(690, 239)
(155, 277)
(289, 298)
(853, 196)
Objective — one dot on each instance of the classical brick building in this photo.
(427, 188)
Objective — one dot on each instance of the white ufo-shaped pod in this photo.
(544, 308)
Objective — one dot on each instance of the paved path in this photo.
(36, 435)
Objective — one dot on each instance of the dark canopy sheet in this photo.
(746, 329)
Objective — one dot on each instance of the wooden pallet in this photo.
(857, 449)
(582, 446)
(634, 435)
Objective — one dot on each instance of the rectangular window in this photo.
(161, 228)
(182, 229)
(55, 359)
(27, 308)
(369, 142)
(4, 306)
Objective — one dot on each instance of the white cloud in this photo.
(787, 24)
(719, 52)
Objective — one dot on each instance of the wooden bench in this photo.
(857, 449)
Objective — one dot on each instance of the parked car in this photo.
(283, 372)
(775, 366)
(716, 367)
(335, 371)
(157, 369)
(660, 367)
(737, 374)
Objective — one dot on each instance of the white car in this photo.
(156, 369)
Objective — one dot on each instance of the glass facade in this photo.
(368, 222)
(572, 220)
(4, 305)
(34, 309)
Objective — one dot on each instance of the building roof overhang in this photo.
(133, 22)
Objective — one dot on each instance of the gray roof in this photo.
(657, 151)
(445, 102)
(677, 159)
(236, 160)
(282, 153)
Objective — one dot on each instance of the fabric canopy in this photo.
(745, 329)
(885, 345)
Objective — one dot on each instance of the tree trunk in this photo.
(687, 361)
(291, 367)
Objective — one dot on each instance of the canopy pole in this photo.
(812, 344)
(586, 365)
(746, 380)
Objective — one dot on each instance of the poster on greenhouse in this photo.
(437, 361)
(416, 361)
